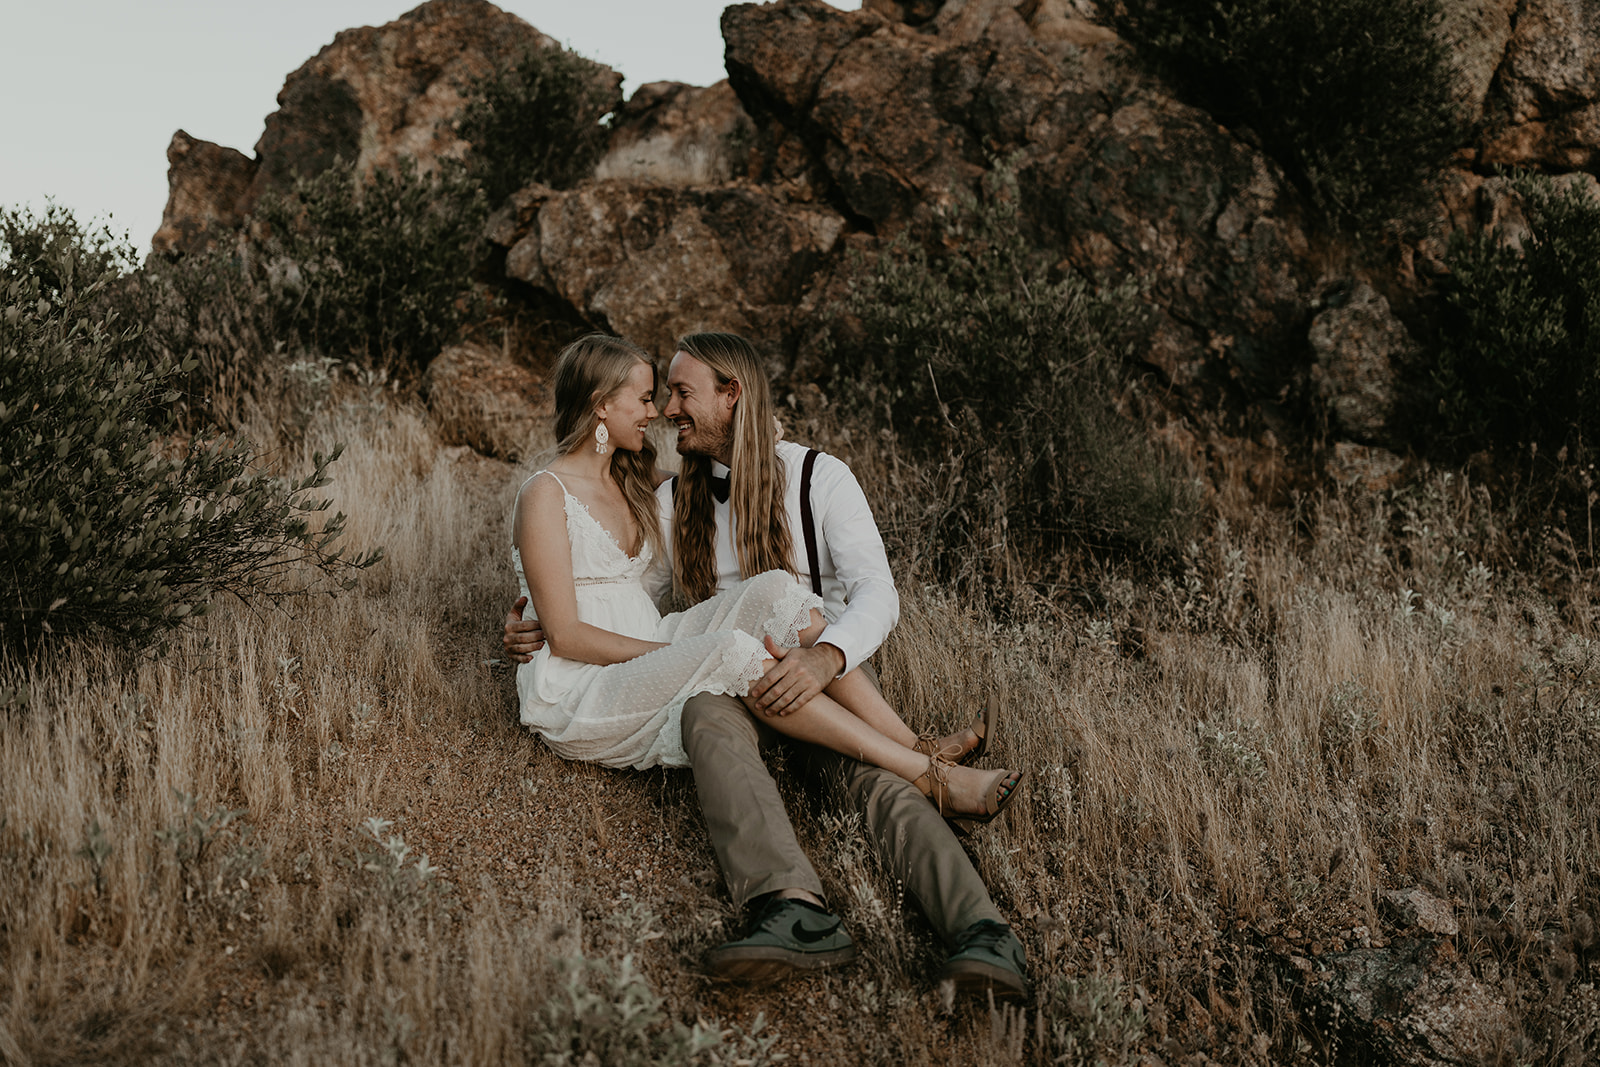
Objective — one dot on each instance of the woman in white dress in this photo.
(610, 683)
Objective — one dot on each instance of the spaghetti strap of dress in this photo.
(551, 473)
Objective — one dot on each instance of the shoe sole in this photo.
(991, 722)
(763, 965)
(978, 978)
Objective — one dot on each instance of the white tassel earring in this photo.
(601, 436)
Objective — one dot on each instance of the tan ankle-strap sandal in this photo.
(984, 726)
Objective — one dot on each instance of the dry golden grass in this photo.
(1229, 764)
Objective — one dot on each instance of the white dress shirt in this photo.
(858, 594)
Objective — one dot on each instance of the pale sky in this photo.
(93, 89)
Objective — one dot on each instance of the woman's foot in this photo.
(964, 793)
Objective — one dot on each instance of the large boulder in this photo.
(380, 94)
(481, 398)
(652, 262)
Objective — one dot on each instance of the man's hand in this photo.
(798, 676)
(521, 639)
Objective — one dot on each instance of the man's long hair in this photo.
(756, 485)
(588, 372)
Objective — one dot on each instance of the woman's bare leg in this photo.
(861, 698)
(823, 721)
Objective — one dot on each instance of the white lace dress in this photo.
(630, 714)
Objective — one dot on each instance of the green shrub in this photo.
(1518, 360)
(108, 521)
(201, 310)
(543, 119)
(979, 364)
(28, 241)
(379, 273)
(1353, 97)
(376, 272)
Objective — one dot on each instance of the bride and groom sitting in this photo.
(601, 537)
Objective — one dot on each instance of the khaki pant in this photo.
(756, 844)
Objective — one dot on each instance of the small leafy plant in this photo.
(393, 876)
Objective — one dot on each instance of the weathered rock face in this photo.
(208, 188)
(1545, 105)
(375, 96)
(1118, 178)
(1476, 32)
(652, 262)
(679, 134)
(1357, 344)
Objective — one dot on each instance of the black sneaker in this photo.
(988, 956)
(786, 936)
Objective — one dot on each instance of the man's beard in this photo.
(707, 442)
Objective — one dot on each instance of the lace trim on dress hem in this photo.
(741, 675)
(792, 614)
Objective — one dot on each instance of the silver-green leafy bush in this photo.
(110, 521)
(1518, 359)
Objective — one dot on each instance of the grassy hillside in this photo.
(1230, 761)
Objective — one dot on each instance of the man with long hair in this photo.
(744, 503)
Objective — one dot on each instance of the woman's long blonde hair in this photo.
(756, 485)
(588, 372)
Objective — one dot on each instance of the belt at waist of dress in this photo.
(590, 583)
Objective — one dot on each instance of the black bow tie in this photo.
(719, 488)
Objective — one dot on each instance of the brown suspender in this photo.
(806, 521)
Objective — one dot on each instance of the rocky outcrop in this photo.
(208, 195)
(652, 262)
(731, 205)
(678, 134)
(1118, 178)
(375, 96)
(1545, 105)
